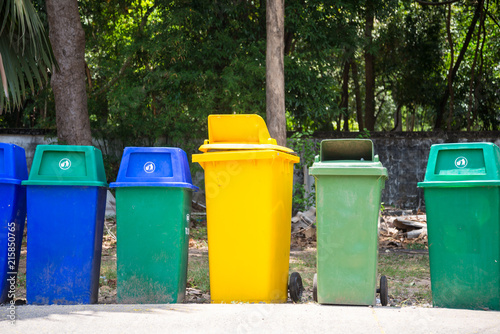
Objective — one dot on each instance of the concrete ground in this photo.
(245, 318)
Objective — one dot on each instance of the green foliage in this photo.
(157, 68)
(364, 134)
(410, 63)
(303, 144)
(302, 200)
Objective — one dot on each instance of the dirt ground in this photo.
(404, 261)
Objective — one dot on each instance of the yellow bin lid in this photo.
(239, 132)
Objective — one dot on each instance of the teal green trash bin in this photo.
(349, 183)
(462, 200)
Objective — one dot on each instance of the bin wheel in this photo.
(315, 288)
(384, 291)
(295, 287)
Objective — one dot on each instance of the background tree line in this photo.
(157, 68)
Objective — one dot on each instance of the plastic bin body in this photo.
(153, 204)
(249, 203)
(65, 227)
(66, 200)
(12, 215)
(348, 194)
(462, 199)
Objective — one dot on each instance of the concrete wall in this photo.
(404, 154)
(28, 142)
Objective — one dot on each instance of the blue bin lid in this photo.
(154, 167)
(13, 167)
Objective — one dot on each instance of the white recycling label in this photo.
(65, 164)
(461, 162)
(149, 167)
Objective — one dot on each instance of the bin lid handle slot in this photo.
(346, 149)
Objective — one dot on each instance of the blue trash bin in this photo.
(66, 201)
(13, 171)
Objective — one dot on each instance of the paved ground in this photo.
(245, 318)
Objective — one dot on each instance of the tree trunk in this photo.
(410, 118)
(473, 72)
(452, 58)
(68, 83)
(275, 71)
(369, 70)
(478, 88)
(465, 45)
(344, 99)
(357, 95)
(398, 120)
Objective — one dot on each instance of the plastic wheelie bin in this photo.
(66, 201)
(349, 183)
(248, 187)
(153, 204)
(13, 171)
(462, 200)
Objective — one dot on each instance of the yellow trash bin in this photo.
(248, 187)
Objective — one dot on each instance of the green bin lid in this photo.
(462, 165)
(67, 165)
(347, 157)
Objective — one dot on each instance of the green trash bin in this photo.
(462, 199)
(153, 205)
(349, 183)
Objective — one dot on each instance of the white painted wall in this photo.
(28, 142)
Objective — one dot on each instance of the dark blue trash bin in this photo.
(13, 171)
(66, 200)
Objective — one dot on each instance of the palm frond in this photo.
(26, 53)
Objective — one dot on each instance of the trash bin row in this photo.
(66, 195)
(246, 173)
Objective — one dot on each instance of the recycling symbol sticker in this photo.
(65, 164)
(149, 167)
(461, 162)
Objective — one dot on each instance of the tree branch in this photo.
(465, 45)
(452, 56)
(428, 3)
(493, 18)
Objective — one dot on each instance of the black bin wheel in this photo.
(315, 288)
(384, 291)
(295, 287)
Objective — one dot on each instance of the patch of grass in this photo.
(21, 271)
(408, 278)
(198, 233)
(404, 266)
(416, 246)
(304, 262)
(21, 280)
(108, 272)
(198, 272)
